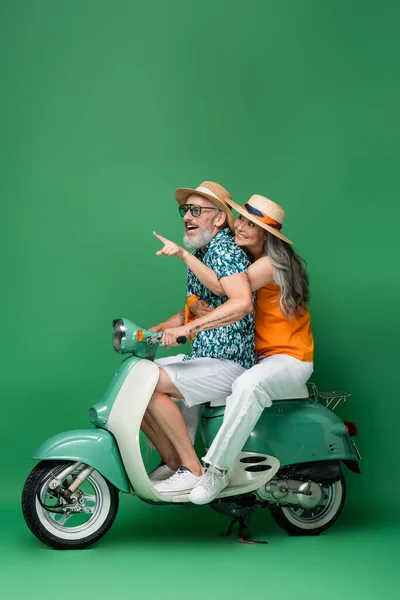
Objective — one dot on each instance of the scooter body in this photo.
(294, 431)
(117, 419)
(292, 434)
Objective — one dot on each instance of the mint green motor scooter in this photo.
(290, 463)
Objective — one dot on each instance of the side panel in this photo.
(294, 432)
(124, 422)
(95, 447)
(100, 412)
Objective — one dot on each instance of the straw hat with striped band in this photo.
(213, 192)
(263, 212)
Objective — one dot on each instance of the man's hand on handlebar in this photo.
(172, 334)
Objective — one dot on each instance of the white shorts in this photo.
(202, 380)
(167, 360)
(191, 415)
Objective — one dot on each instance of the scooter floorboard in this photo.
(250, 472)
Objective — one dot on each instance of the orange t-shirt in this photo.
(276, 334)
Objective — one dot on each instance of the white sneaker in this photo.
(161, 472)
(209, 486)
(180, 483)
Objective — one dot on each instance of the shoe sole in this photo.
(180, 493)
(208, 500)
(201, 503)
(216, 495)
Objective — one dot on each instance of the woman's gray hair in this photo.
(289, 273)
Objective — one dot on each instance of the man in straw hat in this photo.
(283, 336)
(223, 344)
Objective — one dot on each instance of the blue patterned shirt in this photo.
(234, 342)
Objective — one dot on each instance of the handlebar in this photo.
(156, 340)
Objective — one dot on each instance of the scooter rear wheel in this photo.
(301, 521)
(68, 531)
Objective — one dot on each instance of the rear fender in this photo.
(94, 447)
(353, 465)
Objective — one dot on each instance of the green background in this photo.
(105, 109)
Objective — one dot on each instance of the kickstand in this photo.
(243, 525)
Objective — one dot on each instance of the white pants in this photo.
(272, 378)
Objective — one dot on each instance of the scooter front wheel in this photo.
(77, 525)
(301, 521)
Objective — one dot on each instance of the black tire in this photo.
(315, 521)
(45, 527)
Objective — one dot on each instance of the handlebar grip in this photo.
(182, 339)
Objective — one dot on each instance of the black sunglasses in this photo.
(195, 209)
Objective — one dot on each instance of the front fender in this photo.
(94, 447)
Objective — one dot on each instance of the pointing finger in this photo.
(160, 237)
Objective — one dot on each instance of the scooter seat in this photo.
(208, 410)
(300, 395)
(301, 392)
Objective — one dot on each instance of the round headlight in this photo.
(118, 335)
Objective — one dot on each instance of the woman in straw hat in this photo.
(284, 341)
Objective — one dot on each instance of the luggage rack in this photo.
(330, 399)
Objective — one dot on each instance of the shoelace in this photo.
(174, 478)
(209, 476)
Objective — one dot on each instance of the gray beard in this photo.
(201, 239)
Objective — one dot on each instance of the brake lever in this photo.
(156, 340)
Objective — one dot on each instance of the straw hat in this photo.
(213, 192)
(263, 212)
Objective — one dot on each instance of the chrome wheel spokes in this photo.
(60, 520)
(317, 514)
(84, 506)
